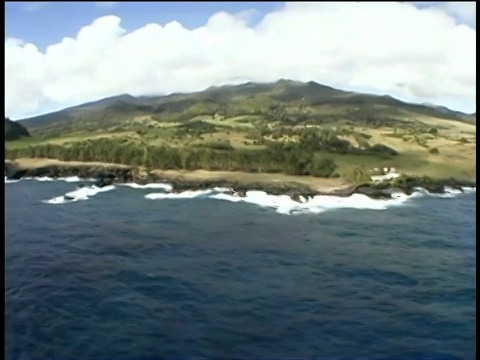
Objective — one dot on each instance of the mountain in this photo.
(289, 126)
(15, 130)
(297, 102)
(456, 114)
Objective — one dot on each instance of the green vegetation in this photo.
(286, 127)
(294, 161)
(358, 174)
(14, 130)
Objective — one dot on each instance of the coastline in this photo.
(297, 187)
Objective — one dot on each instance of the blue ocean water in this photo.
(119, 276)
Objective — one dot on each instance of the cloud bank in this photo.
(420, 55)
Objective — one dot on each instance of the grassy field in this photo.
(454, 158)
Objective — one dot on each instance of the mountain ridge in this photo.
(285, 92)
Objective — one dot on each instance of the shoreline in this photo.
(297, 187)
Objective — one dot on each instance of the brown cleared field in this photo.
(27, 163)
(319, 184)
(324, 185)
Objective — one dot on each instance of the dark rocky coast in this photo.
(111, 174)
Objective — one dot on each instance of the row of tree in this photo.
(292, 160)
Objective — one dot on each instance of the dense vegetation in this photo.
(15, 130)
(306, 157)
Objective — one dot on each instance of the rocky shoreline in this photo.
(107, 175)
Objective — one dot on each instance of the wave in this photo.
(9, 181)
(69, 179)
(83, 193)
(189, 194)
(166, 187)
(448, 194)
(44, 178)
(283, 204)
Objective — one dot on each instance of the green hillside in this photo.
(287, 126)
(15, 130)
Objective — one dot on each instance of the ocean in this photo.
(134, 272)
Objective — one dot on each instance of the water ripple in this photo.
(125, 278)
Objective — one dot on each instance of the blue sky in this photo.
(418, 52)
(44, 23)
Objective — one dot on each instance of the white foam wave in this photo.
(221, 189)
(285, 205)
(70, 179)
(83, 193)
(449, 190)
(62, 200)
(448, 194)
(227, 197)
(10, 181)
(189, 194)
(166, 187)
(44, 178)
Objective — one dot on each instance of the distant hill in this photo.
(14, 130)
(457, 114)
(285, 100)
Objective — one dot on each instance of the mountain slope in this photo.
(14, 130)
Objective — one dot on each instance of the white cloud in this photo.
(388, 48)
(465, 11)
